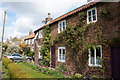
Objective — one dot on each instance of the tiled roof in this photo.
(32, 35)
(68, 14)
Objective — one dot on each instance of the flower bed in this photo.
(59, 72)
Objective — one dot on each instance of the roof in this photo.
(32, 35)
(68, 14)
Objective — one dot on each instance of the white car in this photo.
(18, 57)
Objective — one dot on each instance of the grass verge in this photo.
(34, 73)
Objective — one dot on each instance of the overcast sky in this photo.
(23, 16)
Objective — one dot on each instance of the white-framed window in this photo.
(40, 34)
(32, 41)
(39, 54)
(91, 15)
(36, 35)
(25, 41)
(61, 54)
(29, 41)
(61, 26)
(95, 56)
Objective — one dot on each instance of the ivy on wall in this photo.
(45, 48)
(74, 39)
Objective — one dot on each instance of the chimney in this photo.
(90, 0)
(48, 19)
(30, 32)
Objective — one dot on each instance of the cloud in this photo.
(29, 15)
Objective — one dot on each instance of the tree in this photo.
(26, 50)
(5, 46)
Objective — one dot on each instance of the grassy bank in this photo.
(34, 73)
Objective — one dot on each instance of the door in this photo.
(115, 61)
(53, 59)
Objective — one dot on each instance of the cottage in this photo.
(38, 40)
(29, 40)
(87, 40)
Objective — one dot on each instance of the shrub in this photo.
(16, 72)
(6, 61)
(32, 65)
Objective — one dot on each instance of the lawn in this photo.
(5, 72)
(34, 73)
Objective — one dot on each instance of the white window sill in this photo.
(61, 60)
(91, 22)
(91, 65)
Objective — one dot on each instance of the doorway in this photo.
(115, 61)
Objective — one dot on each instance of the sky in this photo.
(26, 15)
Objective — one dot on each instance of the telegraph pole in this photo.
(2, 35)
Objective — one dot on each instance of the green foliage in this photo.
(5, 71)
(13, 49)
(45, 70)
(26, 50)
(74, 39)
(45, 48)
(104, 13)
(34, 72)
(16, 39)
(32, 65)
(16, 72)
(61, 68)
(114, 40)
(82, 17)
(6, 61)
(5, 46)
(31, 54)
(77, 75)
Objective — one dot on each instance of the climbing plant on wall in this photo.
(74, 38)
(45, 48)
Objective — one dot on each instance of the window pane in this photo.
(98, 52)
(98, 55)
(92, 56)
(92, 60)
(89, 13)
(63, 54)
(63, 25)
(93, 12)
(90, 19)
(63, 51)
(60, 54)
(60, 27)
(94, 18)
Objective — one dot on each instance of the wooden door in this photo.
(115, 61)
(53, 56)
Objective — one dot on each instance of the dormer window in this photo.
(61, 26)
(91, 15)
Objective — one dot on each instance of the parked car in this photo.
(18, 57)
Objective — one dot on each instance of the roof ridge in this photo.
(68, 14)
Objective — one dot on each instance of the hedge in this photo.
(14, 70)
(6, 61)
